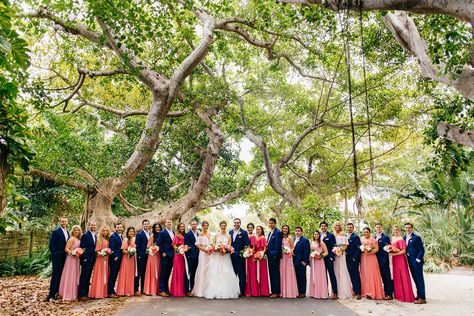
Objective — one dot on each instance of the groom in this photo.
(192, 257)
(240, 239)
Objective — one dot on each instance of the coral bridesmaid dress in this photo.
(370, 278)
(101, 273)
(70, 276)
(177, 278)
(251, 271)
(402, 288)
(127, 283)
(288, 285)
(318, 283)
(152, 271)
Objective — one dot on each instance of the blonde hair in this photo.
(74, 228)
(334, 225)
(101, 238)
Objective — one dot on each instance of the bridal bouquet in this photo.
(365, 247)
(337, 250)
(223, 249)
(182, 249)
(105, 252)
(315, 255)
(77, 252)
(390, 249)
(259, 256)
(131, 251)
(247, 252)
(287, 251)
(152, 250)
(209, 249)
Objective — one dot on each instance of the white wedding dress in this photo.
(221, 281)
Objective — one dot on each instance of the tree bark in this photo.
(456, 134)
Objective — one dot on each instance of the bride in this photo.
(221, 280)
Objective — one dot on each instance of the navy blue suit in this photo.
(192, 257)
(415, 254)
(330, 241)
(353, 260)
(274, 253)
(241, 241)
(115, 244)
(164, 241)
(87, 263)
(384, 264)
(300, 261)
(141, 242)
(57, 245)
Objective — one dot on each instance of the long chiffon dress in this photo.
(344, 285)
(70, 277)
(100, 275)
(128, 272)
(261, 273)
(318, 283)
(203, 261)
(371, 281)
(179, 269)
(288, 284)
(251, 271)
(402, 289)
(152, 271)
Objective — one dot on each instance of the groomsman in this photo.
(192, 256)
(301, 260)
(88, 241)
(353, 259)
(141, 241)
(115, 258)
(164, 241)
(330, 241)
(383, 260)
(415, 254)
(240, 239)
(57, 244)
(274, 251)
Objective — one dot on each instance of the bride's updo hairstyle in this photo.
(223, 222)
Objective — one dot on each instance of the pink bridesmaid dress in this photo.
(261, 275)
(370, 279)
(177, 278)
(402, 288)
(70, 276)
(251, 271)
(288, 285)
(101, 273)
(127, 272)
(318, 283)
(152, 271)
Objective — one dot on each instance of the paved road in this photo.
(243, 306)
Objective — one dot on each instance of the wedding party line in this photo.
(236, 262)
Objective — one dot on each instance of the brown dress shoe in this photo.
(334, 297)
(301, 296)
(163, 294)
(420, 301)
(387, 298)
(189, 294)
(113, 296)
(358, 297)
(274, 296)
(84, 298)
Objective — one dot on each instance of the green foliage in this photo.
(37, 264)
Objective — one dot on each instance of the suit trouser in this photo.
(416, 270)
(332, 276)
(85, 278)
(384, 268)
(274, 270)
(301, 278)
(192, 267)
(166, 266)
(58, 266)
(353, 267)
(141, 266)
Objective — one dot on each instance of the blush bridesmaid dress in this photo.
(288, 285)
(70, 277)
(318, 283)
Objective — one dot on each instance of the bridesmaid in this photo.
(128, 276)
(251, 265)
(402, 288)
(263, 288)
(101, 266)
(203, 241)
(177, 278)
(152, 271)
(370, 278)
(288, 285)
(344, 285)
(318, 280)
(72, 270)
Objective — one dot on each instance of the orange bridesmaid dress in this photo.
(152, 272)
(370, 278)
(127, 286)
(101, 273)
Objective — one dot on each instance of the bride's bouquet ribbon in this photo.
(187, 271)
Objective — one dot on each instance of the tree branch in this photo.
(456, 134)
(59, 180)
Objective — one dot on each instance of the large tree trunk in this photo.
(98, 205)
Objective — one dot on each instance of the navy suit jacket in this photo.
(330, 241)
(88, 244)
(353, 249)
(115, 244)
(274, 244)
(415, 249)
(301, 251)
(241, 240)
(57, 242)
(383, 241)
(164, 241)
(190, 241)
(141, 241)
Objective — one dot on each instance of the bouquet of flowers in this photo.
(390, 249)
(223, 249)
(131, 251)
(247, 252)
(337, 250)
(259, 256)
(315, 255)
(77, 252)
(209, 249)
(182, 249)
(287, 251)
(105, 252)
(152, 250)
(365, 247)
